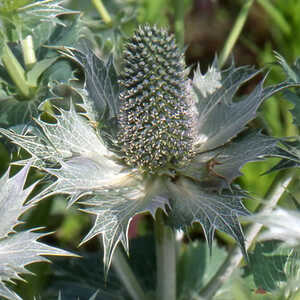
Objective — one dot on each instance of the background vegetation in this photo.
(203, 27)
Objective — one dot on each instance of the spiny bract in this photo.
(182, 132)
(155, 125)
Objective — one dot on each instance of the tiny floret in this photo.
(154, 115)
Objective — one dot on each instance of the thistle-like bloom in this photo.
(152, 138)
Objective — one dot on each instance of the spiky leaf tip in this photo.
(18, 249)
(155, 128)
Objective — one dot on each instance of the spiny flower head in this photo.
(152, 120)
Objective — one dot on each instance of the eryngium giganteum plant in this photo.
(152, 138)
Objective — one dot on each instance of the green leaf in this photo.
(14, 112)
(93, 297)
(60, 72)
(66, 35)
(142, 260)
(24, 18)
(2, 42)
(18, 249)
(81, 278)
(190, 203)
(17, 109)
(273, 266)
(196, 267)
(41, 33)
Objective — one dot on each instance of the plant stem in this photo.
(233, 260)
(179, 21)
(165, 259)
(102, 11)
(28, 52)
(126, 275)
(15, 71)
(235, 32)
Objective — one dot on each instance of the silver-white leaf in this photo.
(209, 82)
(12, 199)
(18, 249)
(71, 135)
(282, 224)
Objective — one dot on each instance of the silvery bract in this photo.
(18, 249)
(152, 138)
(282, 225)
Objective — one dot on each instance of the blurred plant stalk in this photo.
(15, 71)
(28, 52)
(179, 21)
(235, 32)
(165, 259)
(102, 11)
(127, 276)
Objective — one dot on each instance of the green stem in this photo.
(179, 21)
(235, 257)
(165, 259)
(126, 275)
(235, 32)
(102, 11)
(15, 71)
(28, 52)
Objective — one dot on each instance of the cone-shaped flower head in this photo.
(163, 140)
(154, 118)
